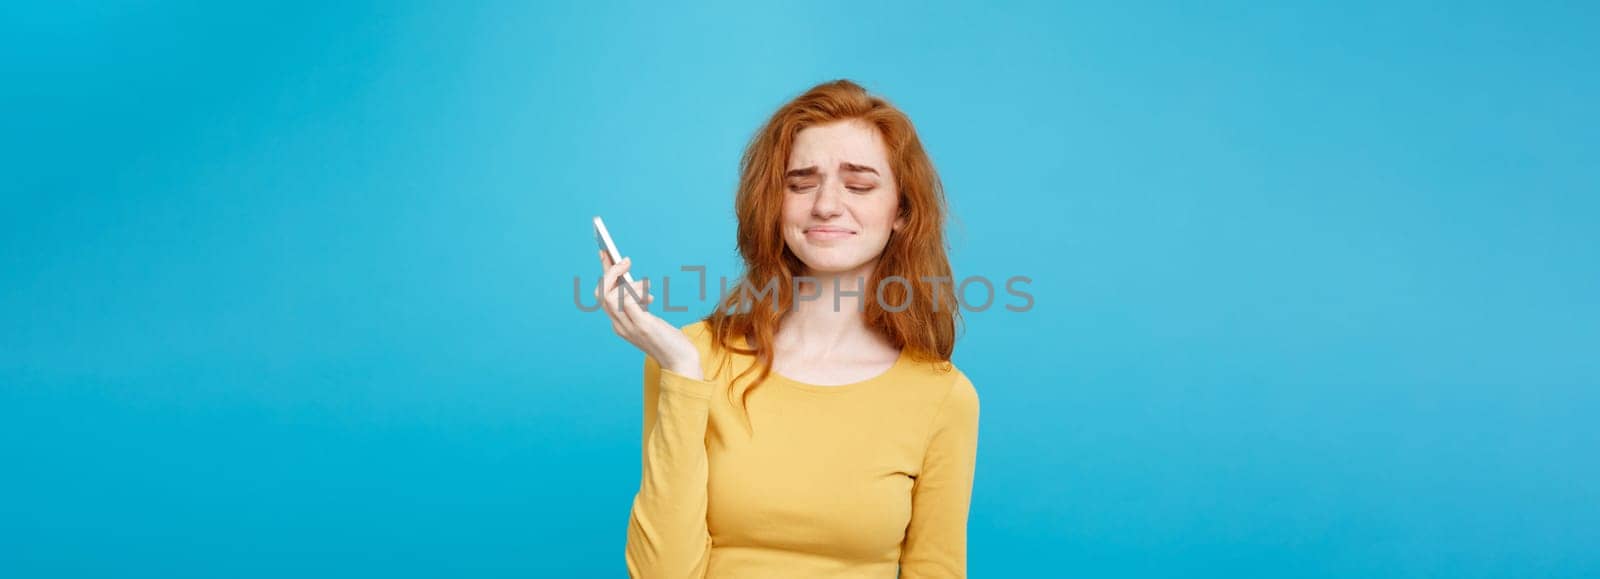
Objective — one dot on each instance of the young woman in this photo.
(813, 425)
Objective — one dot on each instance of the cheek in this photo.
(883, 210)
(794, 212)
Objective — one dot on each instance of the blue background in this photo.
(287, 289)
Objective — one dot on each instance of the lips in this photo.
(828, 232)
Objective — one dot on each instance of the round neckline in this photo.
(900, 360)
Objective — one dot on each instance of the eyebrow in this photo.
(858, 168)
(812, 170)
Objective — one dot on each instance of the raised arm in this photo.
(667, 535)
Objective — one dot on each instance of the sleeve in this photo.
(667, 534)
(936, 538)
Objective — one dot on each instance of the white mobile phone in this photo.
(603, 239)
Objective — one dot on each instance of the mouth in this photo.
(828, 232)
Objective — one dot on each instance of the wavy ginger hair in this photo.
(926, 330)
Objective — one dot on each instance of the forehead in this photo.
(825, 146)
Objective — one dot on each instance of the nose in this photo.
(827, 204)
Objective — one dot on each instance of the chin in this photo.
(825, 265)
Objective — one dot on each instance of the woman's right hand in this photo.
(651, 334)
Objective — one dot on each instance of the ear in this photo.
(902, 212)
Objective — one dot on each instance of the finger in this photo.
(635, 312)
(631, 299)
(617, 298)
(619, 271)
(600, 287)
(619, 320)
(640, 288)
(631, 294)
(608, 281)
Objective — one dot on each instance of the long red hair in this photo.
(926, 329)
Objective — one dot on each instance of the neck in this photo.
(818, 326)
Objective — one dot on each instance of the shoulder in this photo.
(696, 328)
(699, 333)
(941, 385)
(962, 397)
(712, 359)
(945, 377)
(951, 403)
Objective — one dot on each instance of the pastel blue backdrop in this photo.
(286, 288)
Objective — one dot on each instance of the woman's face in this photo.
(840, 200)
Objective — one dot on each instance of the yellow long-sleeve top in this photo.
(858, 480)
